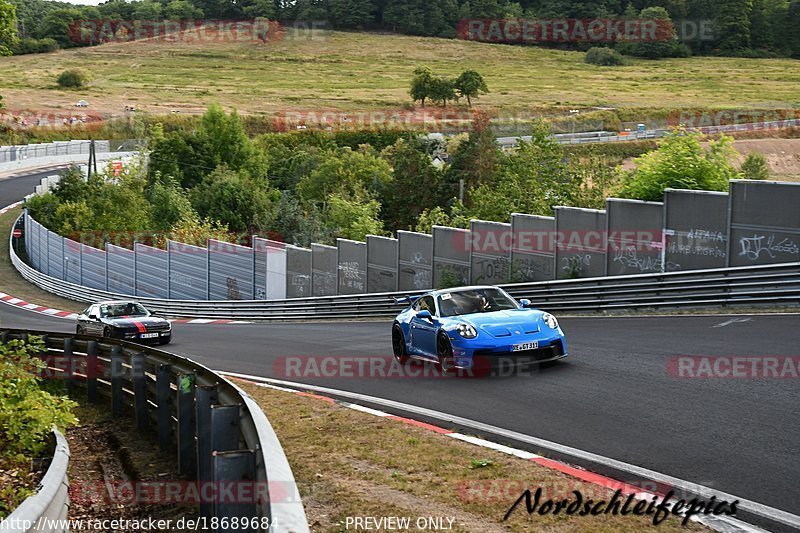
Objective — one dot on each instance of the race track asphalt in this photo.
(613, 396)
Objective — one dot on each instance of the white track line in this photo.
(755, 508)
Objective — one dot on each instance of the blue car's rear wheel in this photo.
(399, 345)
(444, 351)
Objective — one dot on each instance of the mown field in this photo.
(358, 71)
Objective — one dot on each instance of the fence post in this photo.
(139, 392)
(92, 370)
(116, 381)
(68, 360)
(187, 451)
(164, 402)
(231, 469)
(205, 397)
(225, 421)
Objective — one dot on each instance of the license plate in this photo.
(525, 346)
(148, 335)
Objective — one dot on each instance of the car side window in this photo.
(92, 311)
(425, 304)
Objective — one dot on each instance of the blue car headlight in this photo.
(550, 320)
(467, 331)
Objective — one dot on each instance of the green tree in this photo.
(413, 188)
(345, 172)
(182, 10)
(664, 45)
(469, 84)
(681, 162)
(147, 10)
(474, 160)
(455, 217)
(732, 25)
(59, 24)
(234, 200)
(442, 90)
(755, 167)
(8, 27)
(351, 217)
(170, 204)
(350, 13)
(532, 179)
(422, 84)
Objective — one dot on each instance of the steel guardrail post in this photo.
(116, 381)
(69, 355)
(234, 468)
(92, 370)
(205, 397)
(225, 427)
(187, 450)
(164, 403)
(140, 392)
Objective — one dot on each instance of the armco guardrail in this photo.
(768, 284)
(50, 504)
(219, 435)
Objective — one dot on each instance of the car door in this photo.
(93, 325)
(423, 331)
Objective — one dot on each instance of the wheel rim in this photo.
(445, 355)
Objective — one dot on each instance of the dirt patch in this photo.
(108, 457)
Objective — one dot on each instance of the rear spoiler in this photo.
(406, 300)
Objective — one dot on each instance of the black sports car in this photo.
(126, 320)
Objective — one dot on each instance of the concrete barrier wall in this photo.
(581, 244)
(533, 248)
(352, 266)
(635, 237)
(415, 261)
(451, 257)
(324, 268)
(188, 271)
(382, 275)
(298, 272)
(764, 223)
(231, 271)
(490, 252)
(695, 230)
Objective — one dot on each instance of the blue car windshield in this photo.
(474, 301)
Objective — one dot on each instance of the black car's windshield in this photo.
(123, 310)
(474, 301)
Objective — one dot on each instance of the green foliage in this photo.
(681, 162)
(170, 204)
(235, 200)
(469, 84)
(347, 172)
(755, 167)
(27, 412)
(422, 84)
(606, 57)
(532, 179)
(73, 79)
(573, 268)
(350, 13)
(456, 217)
(8, 28)
(448, 278)
(663, 46)
(184, 10)
(35, 46)
(352, 218)
(732, 25)
(414, 186)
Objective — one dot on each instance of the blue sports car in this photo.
(475, 328)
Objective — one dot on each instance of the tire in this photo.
(107, 333)
(79, 331)
(399, 345)
(444, 351)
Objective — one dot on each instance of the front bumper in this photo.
(489, 354)
(149, 336)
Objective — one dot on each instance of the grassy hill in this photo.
(359, 71)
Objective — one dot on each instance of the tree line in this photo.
(761, 28)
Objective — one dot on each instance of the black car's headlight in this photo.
(550, 320)
(467, 331)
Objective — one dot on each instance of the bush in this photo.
(27, 412)
(605, 57)
(755, 167)
(35, 46)
(73, 79)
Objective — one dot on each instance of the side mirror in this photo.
(94, 317)
(524, 302)
(425, 315)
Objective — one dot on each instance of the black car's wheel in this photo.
(399, 345)
(444, 350)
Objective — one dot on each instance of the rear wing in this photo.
(406, 300)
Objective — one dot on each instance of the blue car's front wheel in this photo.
(399, 345)
(444, 352)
